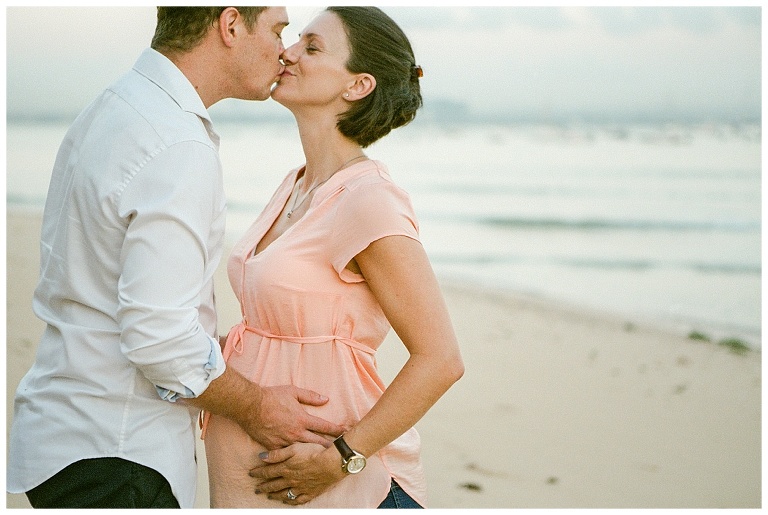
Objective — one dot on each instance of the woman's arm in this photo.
(399, 274)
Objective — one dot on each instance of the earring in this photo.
(346, 95)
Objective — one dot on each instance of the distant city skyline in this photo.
(548, 64)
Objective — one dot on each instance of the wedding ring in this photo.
(292, 496)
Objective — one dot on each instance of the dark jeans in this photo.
(104, 483)
(398, 499)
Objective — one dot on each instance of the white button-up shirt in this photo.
(132, 233)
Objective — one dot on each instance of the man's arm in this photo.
(273, 416)
(171, 207)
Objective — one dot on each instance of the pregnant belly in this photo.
(230, 454)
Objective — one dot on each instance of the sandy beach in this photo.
(559, 408)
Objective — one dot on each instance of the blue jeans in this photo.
(397, 498)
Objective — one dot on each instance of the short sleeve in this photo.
(365, 213)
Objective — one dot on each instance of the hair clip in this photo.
(418, 71)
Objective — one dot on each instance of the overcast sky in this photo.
(545, 63)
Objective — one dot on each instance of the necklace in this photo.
(296, 206)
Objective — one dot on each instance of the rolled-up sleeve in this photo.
(170, 205)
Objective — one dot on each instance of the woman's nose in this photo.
(289, 55)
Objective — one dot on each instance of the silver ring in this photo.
(292, 496)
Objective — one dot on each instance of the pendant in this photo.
(289, 214)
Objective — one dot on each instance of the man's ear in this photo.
(364, 84)
(229, 22)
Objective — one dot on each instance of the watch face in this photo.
(356, 464)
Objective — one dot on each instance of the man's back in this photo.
(136, 193)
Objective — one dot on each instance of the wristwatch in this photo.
(352, 462)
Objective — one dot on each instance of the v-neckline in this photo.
(278, 207)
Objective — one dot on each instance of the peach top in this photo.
(310, 322)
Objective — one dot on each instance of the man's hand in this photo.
(306, 469)
(273, 416)
(280, 420)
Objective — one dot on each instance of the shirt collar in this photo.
(161, 70)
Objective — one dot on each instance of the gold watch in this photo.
(352, 462)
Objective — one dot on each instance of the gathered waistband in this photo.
(235, 339)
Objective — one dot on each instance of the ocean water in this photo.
(657, 224)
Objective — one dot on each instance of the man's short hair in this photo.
(180, 29)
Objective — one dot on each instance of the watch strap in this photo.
(344, 449)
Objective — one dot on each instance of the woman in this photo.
(331, 262)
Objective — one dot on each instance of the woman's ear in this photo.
(364, 84)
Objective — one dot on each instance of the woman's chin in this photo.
(278, 95)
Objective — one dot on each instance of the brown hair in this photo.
(378, 46)
(180, 29)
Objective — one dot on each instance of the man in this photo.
(132, 233)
